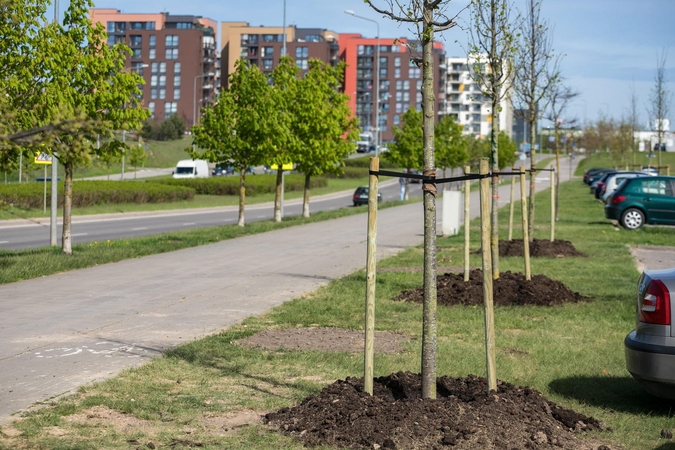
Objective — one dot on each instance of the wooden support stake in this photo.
(553, 175)
(371, 271)
(668, 170)
(488, 304)
(523, 210)
(467, 199)
(513, 190)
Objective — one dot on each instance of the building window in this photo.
(399, 85)
(360, 50)
(171, 53)
(153, 93)
(406, 96)
(397, 119)
(176, 68)
(176, 81)
(170, 108)
(414, 72)
(171, 40)
(272, 38)
(418, 83)
(383, 72)
(153, 81)
(364, 62)
(150, 25)
(267, 63)
(111, 27)
(153, 40)
(152, 54)
(162, 93)
(162, 67)
(154, 67)
(267, 52)
(399, 96)
(302, 64)
(136, 53)
(137, 25)
(162, 80)
(176, 94)
(406, 85)
(397, 61)
(120, 27)
(399, 107)
(397, 72)
(301, 52)
(184, 25)
(137, 67)
(151, 107)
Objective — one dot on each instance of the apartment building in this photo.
(469, 107)
(399, 77)
(263, 46)
(175, 55)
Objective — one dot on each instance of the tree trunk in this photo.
(429, 325)
(66, 237)
(496, 94)
(533, 176)
(242, 195)
(305, 199)
(557, 171)
(277, 195)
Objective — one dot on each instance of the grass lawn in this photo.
(573, 353)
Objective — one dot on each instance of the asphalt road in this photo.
(65, 330)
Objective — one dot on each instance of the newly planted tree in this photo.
(429, 17)
(659, 103)
(241, 126)
(493, 45)
(407, 150)
(536, 67)
(449, 144)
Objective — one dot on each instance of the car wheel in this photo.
(632, 219)
(356, 204)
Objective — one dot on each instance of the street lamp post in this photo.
(194, 96)
(377, 80)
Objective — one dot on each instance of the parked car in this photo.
(591, 172)
(600, 181)
(414, 180)
(222, 170)
(650, 348)
(595, 174)
(360, 196)
(642, 200)
(612, 182)
(650, 170)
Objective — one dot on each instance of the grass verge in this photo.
(209, 392)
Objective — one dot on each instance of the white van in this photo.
(191, 168)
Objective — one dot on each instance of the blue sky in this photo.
(609, 45)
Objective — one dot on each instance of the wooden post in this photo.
(467, 220)
(371, 263)
(668, 170)
(513, 191)
(553, 175)
(526, 239)
(488, 304)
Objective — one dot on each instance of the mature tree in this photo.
(322, 125)
(659, 102)
(429, 17)
(110, 153)
(536, 67)
(407, 150)
(449, 144)
(240, 126)
(493, 45)
(285, 82)
(76, 74)
(559, 99)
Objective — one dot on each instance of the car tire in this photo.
(632, 219)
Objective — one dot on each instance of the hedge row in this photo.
(88, 193)
(255, 184)
(364, 162)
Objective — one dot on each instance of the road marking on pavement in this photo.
(4, 242)
(78, 234)
(134, 352)
(139, 229)
(189, 223)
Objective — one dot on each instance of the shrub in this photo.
(171, 129)
(364, 162)
(255, 184)
(88, 193)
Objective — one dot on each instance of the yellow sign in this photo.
(288, 166)
(43, 158)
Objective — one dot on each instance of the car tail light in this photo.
(655, 305)
(616, 199)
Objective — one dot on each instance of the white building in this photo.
(470, 108)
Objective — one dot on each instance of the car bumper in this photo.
(653, 365)
(612, 212)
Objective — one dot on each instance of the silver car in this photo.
(650, 348)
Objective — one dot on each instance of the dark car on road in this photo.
(360, 196)
(638, 201)
(650, 347)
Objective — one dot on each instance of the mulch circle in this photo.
(464, 416)
(510, 289)
(540, 248)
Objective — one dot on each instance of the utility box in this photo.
(452, 201)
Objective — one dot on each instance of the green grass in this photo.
(573, 353)
(604, 159)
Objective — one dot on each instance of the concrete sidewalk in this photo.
(65, 330)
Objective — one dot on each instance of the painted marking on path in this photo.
(190, 223)
(131, 351)
(78, 234)
(4, 242)
(139, 229)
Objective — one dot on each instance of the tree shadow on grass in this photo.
(622, 394)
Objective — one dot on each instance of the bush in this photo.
(169, 130)
(88, 193)
(351, 172)
(255, 184)
(364, 161)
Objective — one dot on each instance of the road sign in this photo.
(43, 158)
(288, 166)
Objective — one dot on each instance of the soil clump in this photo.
(510, 289)
(464, 416)
(542, 248)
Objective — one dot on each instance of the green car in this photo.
(642, 200)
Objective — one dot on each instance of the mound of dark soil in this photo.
(539, 248)
(509, 289)
(463, 416)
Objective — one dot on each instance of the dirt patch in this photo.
(540, 248)
(326, 339)
(508, 290)
(463, 417)
(102, 415)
